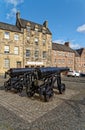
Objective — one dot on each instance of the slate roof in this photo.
(60, 47)
(80, 51)
(76, 53)
(9, 27)
(24, 24)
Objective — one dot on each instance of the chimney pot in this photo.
(45, 24)
(66, 44)
(18, 15)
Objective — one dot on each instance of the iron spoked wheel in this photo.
(29, 92)
(18, 87)
(7, 86)
(48, 97)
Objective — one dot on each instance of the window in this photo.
(36, 29)
(18, 64)
(59, 53)
(6, 49)
(55, 60)
(36, 41)
(43, 42)
(44, 54)
(28, 38)
(16, 37)
(36, 53)
(6, 35)
(28, 28)
(16, 50)
(6, 63)
(27, 53)
(44, 31)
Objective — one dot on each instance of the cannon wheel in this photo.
(7, 86)
(20, 88)
(48, 97)
(63, 88)
(29, 92)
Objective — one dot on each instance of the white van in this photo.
(73, 73)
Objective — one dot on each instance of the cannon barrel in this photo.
(12, 72)
(45, 72)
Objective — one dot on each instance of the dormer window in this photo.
(44, 31)
(36, 29)
(36, 41)
(28, 38)
(28, 28)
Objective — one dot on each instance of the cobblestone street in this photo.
(63, 112)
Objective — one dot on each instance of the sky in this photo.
(66, 18)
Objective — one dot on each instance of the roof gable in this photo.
(76, 53)
(80, 51)
(32, 25)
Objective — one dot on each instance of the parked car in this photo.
(73, 73)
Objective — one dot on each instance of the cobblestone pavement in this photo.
(64, 112)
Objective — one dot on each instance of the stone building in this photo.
(81, 53)
(37, 40)
(77, 63)
(62, 55)
(11, 47)
(29, 44)
(26, 44)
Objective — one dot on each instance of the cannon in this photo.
(18, 78)
(36, 80)
(44, 83)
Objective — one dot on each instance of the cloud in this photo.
(12, 4)
(74, 46)
(72, 43)
(12, 13)
(81, 28)
(60, 41)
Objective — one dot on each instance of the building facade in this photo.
(37, 40)
(81, 53)
(11, 47)
(62, 55)
(77, 63)
(26, 44)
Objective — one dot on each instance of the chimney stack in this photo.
(18, 15)
(45, 24)
(67, 44)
